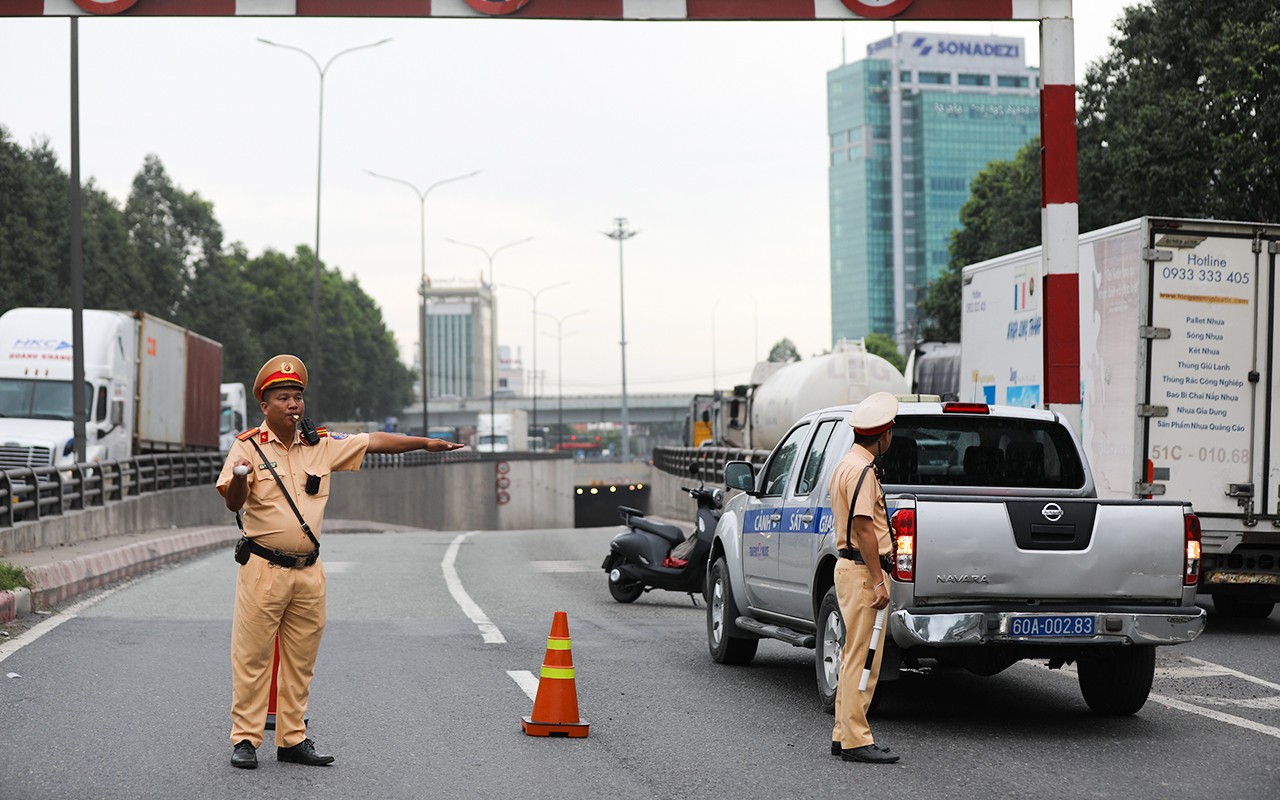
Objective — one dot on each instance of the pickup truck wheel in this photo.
(1117, 684)
(721, 613)
(1231, 607)
(826, 653)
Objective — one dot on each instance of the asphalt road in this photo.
(128, 697)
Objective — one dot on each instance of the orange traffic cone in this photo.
(555, 709)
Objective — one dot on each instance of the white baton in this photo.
(871, 651)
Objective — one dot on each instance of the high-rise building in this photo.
(910, 127)
(459, 349)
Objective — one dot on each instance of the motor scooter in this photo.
(652, 555)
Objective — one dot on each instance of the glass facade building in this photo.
(910, 126)
(458, 341)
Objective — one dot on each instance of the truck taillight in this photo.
(1191, 564)
(904, 563)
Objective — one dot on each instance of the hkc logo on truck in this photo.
(47, 349)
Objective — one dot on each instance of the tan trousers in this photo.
(271, 599)
(855, 594)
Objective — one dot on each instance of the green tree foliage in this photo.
(882, 344)
(784, 350)
(1182, 117)
(163, 253)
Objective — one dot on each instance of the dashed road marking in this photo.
(525, 680)
(469, 607)
(565, 566)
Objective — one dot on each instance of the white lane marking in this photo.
(525, 680)
(66, 615)
(337, 567)
(1256, 703)
(565, 566)
(1234, 673)
(1230, 719)
(490, 631)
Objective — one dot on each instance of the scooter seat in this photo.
(671, 533)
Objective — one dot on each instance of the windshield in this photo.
(983, 451)
(30, 399)
(487, 439)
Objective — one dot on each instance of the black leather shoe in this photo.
(869, 754)
(244, 756)
(836, 749)
(304, 752)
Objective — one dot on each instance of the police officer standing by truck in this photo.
(861, 574)
(278, 474)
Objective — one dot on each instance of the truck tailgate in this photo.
(971, 549)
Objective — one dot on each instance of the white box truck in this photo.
(232, 414)
(503, 432)
(1178, 386)
(150, 386)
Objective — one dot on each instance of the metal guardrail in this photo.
(33, 493)
(709, 460)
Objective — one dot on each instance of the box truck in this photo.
(503, 432)
(233, 412)
(150, 386)
(1178, 391)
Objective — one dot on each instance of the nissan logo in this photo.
(1052, 512)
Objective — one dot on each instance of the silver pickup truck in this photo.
(1003, 553)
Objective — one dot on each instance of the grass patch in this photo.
(12, 577)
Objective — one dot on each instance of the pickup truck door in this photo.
(804, 523)
(762, 521)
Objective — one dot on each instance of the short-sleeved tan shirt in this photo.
(870, 501)
(268, 520)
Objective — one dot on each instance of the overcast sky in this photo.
(709, 137)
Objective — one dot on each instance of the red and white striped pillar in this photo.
(1059, 214)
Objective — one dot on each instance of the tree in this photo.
(882, 344)
(33, 224)
(784, 350)
(1181, 118)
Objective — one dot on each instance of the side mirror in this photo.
(117, 411)
(740, 475)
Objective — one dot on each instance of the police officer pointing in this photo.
(862, 588)
(280, 479)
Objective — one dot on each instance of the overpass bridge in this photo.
(642, 409)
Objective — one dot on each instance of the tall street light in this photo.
(714, 306)
(493, 325)
(422, 281)
(315, 278)
(534, 297)
(559, 321)
(621, 234)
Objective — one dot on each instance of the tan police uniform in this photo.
(854, 589)
(271, 598)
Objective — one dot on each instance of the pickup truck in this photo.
(1002, 553)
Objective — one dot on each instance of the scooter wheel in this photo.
(626, 591)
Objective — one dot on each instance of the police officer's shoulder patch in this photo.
(339, 435)
(249, 434)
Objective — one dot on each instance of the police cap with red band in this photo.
(874, 415)
(282, 370)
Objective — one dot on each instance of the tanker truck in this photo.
(757, 415)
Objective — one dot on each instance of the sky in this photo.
(709, 138)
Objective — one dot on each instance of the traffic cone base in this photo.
(555, 708)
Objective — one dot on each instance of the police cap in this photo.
(874, 415)
(281, 370)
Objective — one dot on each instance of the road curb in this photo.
(60, 581)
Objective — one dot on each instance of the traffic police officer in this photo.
(280, 586)
(862, 536)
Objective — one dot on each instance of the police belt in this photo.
(886, 563)
(282, 559)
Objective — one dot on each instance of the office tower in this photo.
(910, 127)
(459, 331)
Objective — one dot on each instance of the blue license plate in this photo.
(1053, 625)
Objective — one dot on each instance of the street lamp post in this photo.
(490, 255)
(421, 288)
(621, 234)
(315, 278)
(714, 306)
(534, 297)
(559, 321)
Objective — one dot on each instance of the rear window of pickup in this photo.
(982, 451)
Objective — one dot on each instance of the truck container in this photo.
(503, 432)
(1177, 377)
(150, 386)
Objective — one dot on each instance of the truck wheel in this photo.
(721, 613)
(1231, 607)
(1117, 684)
(826, 652)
